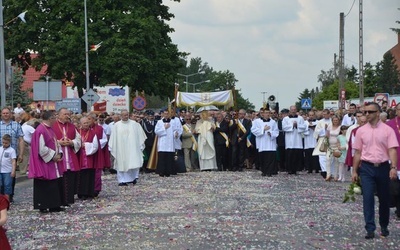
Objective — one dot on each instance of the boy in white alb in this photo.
(8, 164)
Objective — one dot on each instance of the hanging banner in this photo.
(220, 98)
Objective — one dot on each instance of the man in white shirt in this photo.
(349, 119)
(18, 109)
(27, 129)
(319, 134)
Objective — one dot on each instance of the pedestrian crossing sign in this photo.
(306, 103)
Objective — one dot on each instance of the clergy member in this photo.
(87, 154)
(294, 126)
(45, 167)
(165, 144)
(206, 149)
(266, 131)
(70, 141)
(126, 146)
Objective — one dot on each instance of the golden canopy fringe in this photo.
(153, 158)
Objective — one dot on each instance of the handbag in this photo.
(324, 146)
(337, 153)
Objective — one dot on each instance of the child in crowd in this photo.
(8, 164)
(4, 204)
(342, 146)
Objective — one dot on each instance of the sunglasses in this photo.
(370, 111)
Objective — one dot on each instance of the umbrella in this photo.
(208, 108)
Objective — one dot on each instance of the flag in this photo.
(95, 47)
(22, 16)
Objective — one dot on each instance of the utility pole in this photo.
(89, 107)
(2, 60)
(361, 62)
(341, 61)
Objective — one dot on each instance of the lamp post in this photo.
(187, 77)
(2, 60)
(195, 84)
(86, 53)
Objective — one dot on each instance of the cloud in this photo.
(279, 46)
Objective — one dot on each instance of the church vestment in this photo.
(266, 144)
(206, 148)
(294, 126)
(47, 173)
(126, 146)
(86, 180)
(70, 161)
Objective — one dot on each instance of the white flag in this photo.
(22, 16)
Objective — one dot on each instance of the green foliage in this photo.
(209, 80)
(370, 80)
(350, 194)
(136, 49)
(397, 30)
(388, 74)
(331, 93)
(15, 94)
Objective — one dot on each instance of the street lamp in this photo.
(3, 60)
(187, 77)
(86, 53)
(195, 84)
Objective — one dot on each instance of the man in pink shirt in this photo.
(375, 144)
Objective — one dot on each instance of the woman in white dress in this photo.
(206, 149)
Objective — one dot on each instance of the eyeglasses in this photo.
(370, 111)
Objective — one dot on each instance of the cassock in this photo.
(46, 174)
(70, 160)
(165, 147)
(102, 157)
(310, 142)
(87, 154)
(148, 127)
(221, 142)
(126, 146)
(294, 142)
(266, 144)
(205, 142)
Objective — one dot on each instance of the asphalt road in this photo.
(201, 210)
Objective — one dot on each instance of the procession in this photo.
(67, 154)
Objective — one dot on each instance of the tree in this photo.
(331, 93)
(210, 80)
(15, 94)
(136, 49)
(306, 94)
(388, 74)
(370, 80)
(397, 30)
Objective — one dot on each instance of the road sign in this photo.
(72, 104)
(90, 97)
(380, 97)
(139, 103)
(306, 103)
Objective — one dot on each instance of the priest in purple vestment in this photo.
(45, 168)
(70, 141)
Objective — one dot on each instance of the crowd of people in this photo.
(66, 154)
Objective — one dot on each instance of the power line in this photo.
(350, 8)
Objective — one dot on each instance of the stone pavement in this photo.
(201, 210)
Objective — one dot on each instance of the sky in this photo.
(280, 46)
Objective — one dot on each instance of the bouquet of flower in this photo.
(354, 189)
